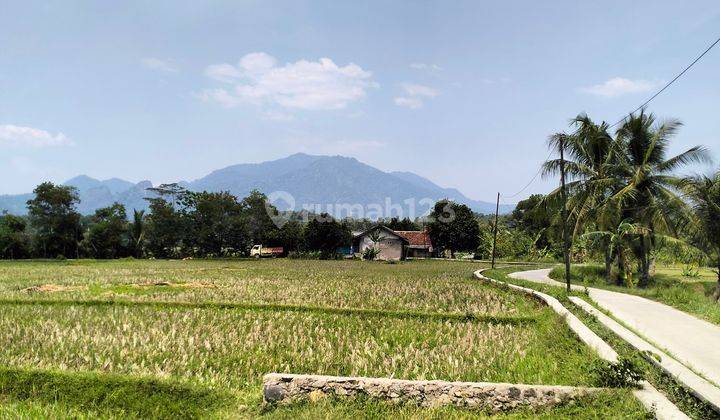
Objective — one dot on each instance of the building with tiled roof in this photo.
(394, 245)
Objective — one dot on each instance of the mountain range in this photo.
(338, 185)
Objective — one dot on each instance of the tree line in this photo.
(181, 223)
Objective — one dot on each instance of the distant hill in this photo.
(334, 183)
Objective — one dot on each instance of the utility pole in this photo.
(495, 230)
(563, 196)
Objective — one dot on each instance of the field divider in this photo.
(653, 400)
(436, 316)
(286, 388)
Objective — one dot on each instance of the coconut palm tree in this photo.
(650, 196)
(137, 232)
(590, 164)
(704, 194)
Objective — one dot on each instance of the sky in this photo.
(464, 93)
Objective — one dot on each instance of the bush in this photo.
(626, 373)
(304, 255)
(691, 270)
(370, 253)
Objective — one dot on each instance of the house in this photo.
(419, 244)
(394, 245)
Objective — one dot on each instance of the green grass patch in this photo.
(691, 295)
(107, 395)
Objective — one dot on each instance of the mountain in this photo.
(93, 194)
(335, 184)
(454, 194)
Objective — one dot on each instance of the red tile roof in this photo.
(419, 238)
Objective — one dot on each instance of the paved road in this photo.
(692, 341)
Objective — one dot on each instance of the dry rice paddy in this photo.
(216, 327)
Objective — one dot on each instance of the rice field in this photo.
(193, 338)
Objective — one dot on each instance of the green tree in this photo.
(260, 226)
(650, 196)
(402, 224)
(107, 234)
(14, 241)
(592, 160)
(291, 236)
(619, 244)
(165, 229)
(704, 194)
(218, 225)
(55, 220)
(536, 218)
(325, 234)
(173, 192)
(453, 227)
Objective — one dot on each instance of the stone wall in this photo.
(494, 397)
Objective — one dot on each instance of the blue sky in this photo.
(464, 93)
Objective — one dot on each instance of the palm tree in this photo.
(137, 232)
(649, 196)
(591, 161)
(704, 194)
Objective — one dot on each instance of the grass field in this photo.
(690, 294)
(193, 338)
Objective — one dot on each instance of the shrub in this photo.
(370, 253)
(304, 255)
(691, 270)
(625, 373)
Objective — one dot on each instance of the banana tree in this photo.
(617, 244)
(704, 194)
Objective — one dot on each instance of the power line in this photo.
(632, 112)
(670, 82)
(531, 180)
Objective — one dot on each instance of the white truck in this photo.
(258, 251)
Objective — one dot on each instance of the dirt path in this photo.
(692, 341)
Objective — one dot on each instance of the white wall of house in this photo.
(390, 246)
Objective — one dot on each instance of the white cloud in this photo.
(311, 85)
(410, 102)
(414, 94)
(618, 86)
(425, 66)
(34, 137)
(488, 81)
(159, 65)
(223, 72)
(420, 90)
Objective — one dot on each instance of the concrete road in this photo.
(692, 341)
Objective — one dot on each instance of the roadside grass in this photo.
(691, 295)
(686, 402)
(412, 320)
